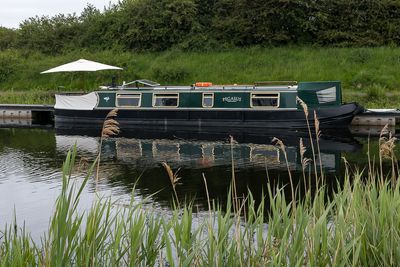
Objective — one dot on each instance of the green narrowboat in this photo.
(262, 105)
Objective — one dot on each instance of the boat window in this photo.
(208, 100)
(265, 100)
(165, 100)
(128, 100)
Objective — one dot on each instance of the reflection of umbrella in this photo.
(81, 65)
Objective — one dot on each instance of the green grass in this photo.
(358, 226)
(369, 75)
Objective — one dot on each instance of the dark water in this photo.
(31, 160)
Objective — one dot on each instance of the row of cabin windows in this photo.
(172, 100)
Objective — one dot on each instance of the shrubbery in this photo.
(8, 64)
(158, 25)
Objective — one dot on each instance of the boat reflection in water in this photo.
(255, 158)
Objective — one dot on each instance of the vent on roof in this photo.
(266, 83)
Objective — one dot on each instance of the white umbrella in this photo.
(81, 65)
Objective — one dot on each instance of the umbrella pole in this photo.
(70, 83)
(84, 81)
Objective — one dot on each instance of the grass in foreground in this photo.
(358, 226)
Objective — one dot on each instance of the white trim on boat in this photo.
(199, 108)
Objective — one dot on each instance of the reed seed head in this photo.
(387, 146)
(110, 125)
(173, 177)
(303, 105)
(279, 143)
(302, 147)
(387, 142)
(112, 113)
(304, 161)
(384, 131)
(316, 122)
(232, 141)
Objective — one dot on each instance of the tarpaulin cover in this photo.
(80, 102)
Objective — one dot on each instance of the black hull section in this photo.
(336, 117)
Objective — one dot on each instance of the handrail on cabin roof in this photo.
(260, 83)
(155, 85)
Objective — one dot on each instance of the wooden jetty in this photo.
(372, 121)
(377, 117)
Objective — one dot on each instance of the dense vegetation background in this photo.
(157, 25)
(223, 41)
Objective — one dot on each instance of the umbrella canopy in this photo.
(81, 65)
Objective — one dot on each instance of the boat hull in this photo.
(329, 117)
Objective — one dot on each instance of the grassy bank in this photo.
(369, 75)
(358, 226)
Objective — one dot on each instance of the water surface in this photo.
(31, 160)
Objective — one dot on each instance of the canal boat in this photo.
(262, 105)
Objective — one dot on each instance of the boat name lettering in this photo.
(231, 99)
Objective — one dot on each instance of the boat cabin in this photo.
(205, 95)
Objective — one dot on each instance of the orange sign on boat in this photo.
(203, 84)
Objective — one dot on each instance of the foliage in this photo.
(203, 25)
(8, 65)
(156, 25)
(8, 38)
(369, 23)
(270, 22)
(49, 35)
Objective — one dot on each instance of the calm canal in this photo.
(31, 160)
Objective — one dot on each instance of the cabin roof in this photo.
(212, 88)
(144, 84)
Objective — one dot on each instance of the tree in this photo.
(49, 35)
(157, 25)
(8, 38)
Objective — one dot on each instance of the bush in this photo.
(158, 25)
(8, 64)
(8, 38)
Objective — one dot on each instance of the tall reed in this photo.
(305, 109)
(357, 226)
(173, 178)
(283, 149)
(317, 137)
(110, 128)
